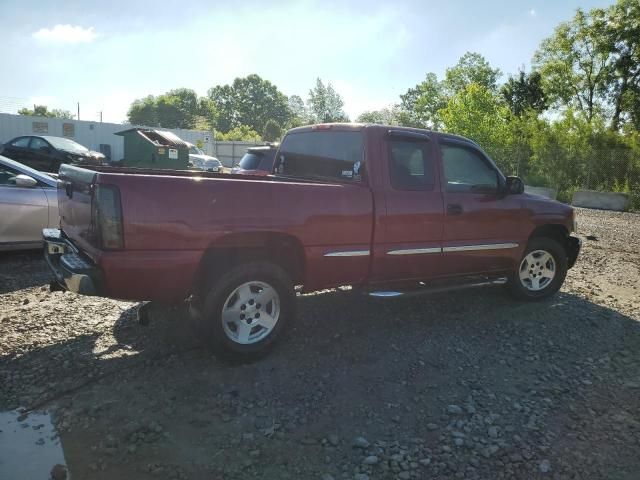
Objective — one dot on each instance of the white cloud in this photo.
(65, 34)
(532, 13)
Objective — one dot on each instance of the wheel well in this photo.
(281, 249)
(557, 232)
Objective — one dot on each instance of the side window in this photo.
(7, 176)
(410, 165)
(37, 143)
(465, 170)
(323, 154)
(22, 142)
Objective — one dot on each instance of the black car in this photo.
(47, 153)
(257, 160)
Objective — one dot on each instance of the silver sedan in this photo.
(28, 203)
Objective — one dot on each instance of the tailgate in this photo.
(75, 186)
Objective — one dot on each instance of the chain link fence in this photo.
(614, 169)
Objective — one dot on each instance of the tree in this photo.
(385, 116)
(43, 111)
(576, 63)
(477, 113)
(471, 68)
(241, 133)
(623, 24)
(143, 112)
(250, 101)
(524, 93)
(325, 105)
(298, 111)
(420, 105)
(179, 108)
(272, 131)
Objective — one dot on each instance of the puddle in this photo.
(29, 448)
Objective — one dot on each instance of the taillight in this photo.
(107, 217)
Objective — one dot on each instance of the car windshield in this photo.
(193, 150)
(66, 144)
(250, 161)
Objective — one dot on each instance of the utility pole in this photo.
(100, 113)
(78, 110)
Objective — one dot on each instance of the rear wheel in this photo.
(541, 271)
(247, 309)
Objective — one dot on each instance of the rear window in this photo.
(250, 161)
(322, 154)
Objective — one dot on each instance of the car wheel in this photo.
(541, 270)
(247, 309)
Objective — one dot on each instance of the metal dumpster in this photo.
(147, 148)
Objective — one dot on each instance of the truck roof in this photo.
(377, 126)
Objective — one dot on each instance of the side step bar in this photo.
(439, 289)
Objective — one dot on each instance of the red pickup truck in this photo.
(389, 210)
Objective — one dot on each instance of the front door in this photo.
(40, 153)
(408, 234)
(482, 226)
(24, 212)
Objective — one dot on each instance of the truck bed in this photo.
(170, 219)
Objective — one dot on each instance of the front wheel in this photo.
(541, 270)
(248, 309)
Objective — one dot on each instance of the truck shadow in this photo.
(349, 352)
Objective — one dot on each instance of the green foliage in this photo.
(325, 105)
(476, 113)
(298, 112)
(272, 131)
(384, 116)
(241, 133)
(420, 106)
(43, 111)
(250, 101)
(179, 108)
(471, 68)
(524, 93)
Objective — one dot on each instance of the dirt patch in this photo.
(462, 385)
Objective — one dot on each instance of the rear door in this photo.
(482, 225)
(24, 212)
(409, 236)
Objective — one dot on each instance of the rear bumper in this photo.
(70, 269)
(573, 250)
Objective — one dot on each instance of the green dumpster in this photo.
(147, 148)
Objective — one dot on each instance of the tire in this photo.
(541, 271)
(234, 322)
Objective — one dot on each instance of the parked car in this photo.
(413, 212)
(46, 154)
(257, 161)
(201, 161)
(28, 203)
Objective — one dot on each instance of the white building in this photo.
(93, 135)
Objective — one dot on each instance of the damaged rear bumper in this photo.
(70, 269)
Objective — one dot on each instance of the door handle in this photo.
(454, 209)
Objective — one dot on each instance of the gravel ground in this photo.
(461, 385)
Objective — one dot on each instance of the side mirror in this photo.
(514, 186)
(25, 181)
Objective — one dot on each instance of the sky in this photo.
(106, 54)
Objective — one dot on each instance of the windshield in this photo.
(195, 151)
(66, 144)
(250, 161)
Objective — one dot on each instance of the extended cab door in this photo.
(482, 226)
(408, 235)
